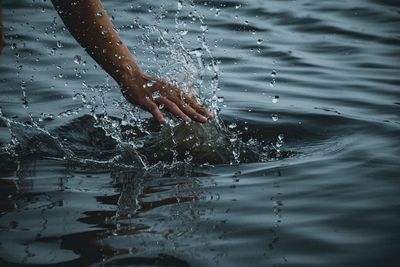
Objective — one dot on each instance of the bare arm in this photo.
(89, 23)
(2, 43)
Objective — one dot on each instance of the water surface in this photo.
(300, 168)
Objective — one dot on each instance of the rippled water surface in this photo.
(300, 168)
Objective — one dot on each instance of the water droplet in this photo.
(204, 27)
(220, 99)
(188, 157)
(156, 95)
(197, 53)
(180, 5)
(259, 41)
(246, 22)
(278, 144)
(275, 99)
(78, 60)
(13, 46)
(232, 126)
(139, 144)
(273, 76)
(236, 155)
(59, 44)
(150, 84)
(84, 84)
(183, 32)
(274, 117)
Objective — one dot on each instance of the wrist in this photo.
(128, 73)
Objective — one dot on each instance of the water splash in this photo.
(111, 142)
(130, 139)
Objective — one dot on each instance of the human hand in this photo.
(152, 94)
(104, 45)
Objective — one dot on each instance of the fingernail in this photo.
(187, 119)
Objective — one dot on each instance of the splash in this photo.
(117, 135)
(108, 142)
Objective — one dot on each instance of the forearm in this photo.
(89, 24)
(91, 27)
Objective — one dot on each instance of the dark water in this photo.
(301, 168)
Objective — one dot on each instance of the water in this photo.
(300, 168)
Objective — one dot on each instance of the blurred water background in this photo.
(300, 168)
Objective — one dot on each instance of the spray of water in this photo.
(131, 139)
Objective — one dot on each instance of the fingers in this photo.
(198, 108)
(190, 107)
(188, 110)
(177, 102)
(181, 110)
(152, 107)
(173, 108)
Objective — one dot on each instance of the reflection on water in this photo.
(126, 217)
(300, 168)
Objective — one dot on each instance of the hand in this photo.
(151, 93)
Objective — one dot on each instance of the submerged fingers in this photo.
(173, 108)
(190, 105)
(154, 110)
(180, 109)
(182, 105)
(198, 108)
(187, 109)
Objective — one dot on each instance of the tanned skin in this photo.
(89, 24)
